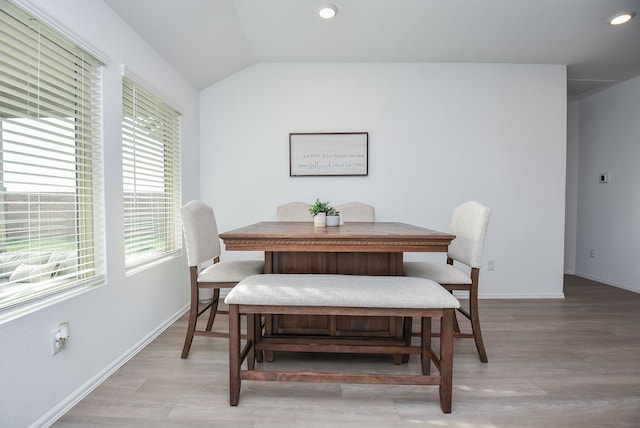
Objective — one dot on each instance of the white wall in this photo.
(571, 197)
(608, 214)
(109, 322)
(439, 134)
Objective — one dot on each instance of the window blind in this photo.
(50, 166)
(151, 175)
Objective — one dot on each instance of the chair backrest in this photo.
(293, 211)
(356, 212)
(200, 233)
(469, 223)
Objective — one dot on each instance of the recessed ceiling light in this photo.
(621, 18)
(328, 11)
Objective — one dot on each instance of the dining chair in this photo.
(356, 212)
(293, 211)
(206, 271)
(469, 223)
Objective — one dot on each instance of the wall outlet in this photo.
(592, 253)
(56, 344)
(491, 265)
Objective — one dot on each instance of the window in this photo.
(151, 168)
(50, 176)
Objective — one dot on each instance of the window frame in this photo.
(151, 156)
(48, 117)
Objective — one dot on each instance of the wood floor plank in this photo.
(552, 363)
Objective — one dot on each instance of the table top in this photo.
(350, 237)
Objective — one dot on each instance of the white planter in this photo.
(320, 220)
(333, 220)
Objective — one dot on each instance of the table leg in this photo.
(268, 319)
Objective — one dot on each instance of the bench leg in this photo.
(234, 355)
(446, 360)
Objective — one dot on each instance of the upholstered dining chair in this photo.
(206, 270)
(356, 212)
(469, 223)
(293, 211)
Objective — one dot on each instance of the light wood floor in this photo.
(552, 363)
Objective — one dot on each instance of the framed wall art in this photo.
(329, 154)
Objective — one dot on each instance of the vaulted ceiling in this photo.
(208, 40)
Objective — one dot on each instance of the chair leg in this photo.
(407, 327)
(475, 318)
(251, 340)
(268, 331)
(477, 333)
(456, 327)
(214, 308)
(193, 319)
(257, 337)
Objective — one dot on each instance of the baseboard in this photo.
(521, 296)
(481, 296)
(607, 282)
(65, 405)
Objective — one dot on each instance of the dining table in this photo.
(353, 248)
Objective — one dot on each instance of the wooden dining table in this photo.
(375, 248)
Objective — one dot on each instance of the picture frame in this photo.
(328, 154)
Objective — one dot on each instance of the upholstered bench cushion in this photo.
(340, 290)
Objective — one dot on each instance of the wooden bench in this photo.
(319, 294)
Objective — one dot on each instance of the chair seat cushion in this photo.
(231, 270)
(341, 290)
(442, 273)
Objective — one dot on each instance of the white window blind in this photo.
(50, 146)
(151, 168)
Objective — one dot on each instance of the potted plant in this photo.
(319, 212)
(333, 217)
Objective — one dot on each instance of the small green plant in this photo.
(319, 207)
(332, 212)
